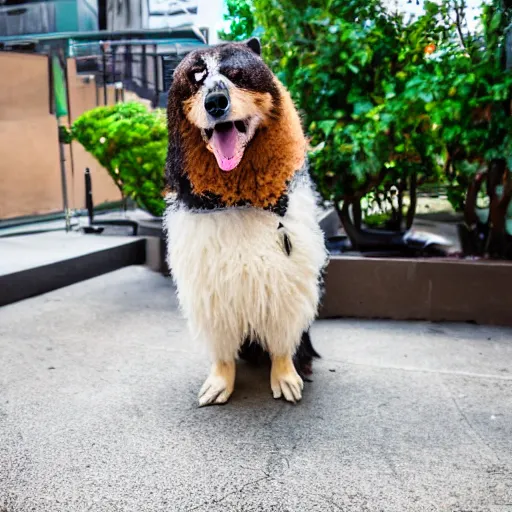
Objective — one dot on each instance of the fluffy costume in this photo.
(244, 246)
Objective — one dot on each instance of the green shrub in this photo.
(347, 65)
(131, 143)
(469, 103)
(241, 18)
(388, 102)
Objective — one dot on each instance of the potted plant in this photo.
(130, 142)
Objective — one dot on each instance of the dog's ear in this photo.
(254, 44)
(174, 164)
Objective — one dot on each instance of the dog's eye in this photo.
(233, 74)
(197, 74)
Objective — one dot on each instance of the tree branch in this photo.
(413, 200)
(459, 15)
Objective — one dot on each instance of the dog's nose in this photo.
(217, 103)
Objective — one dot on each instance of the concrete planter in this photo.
(432, 289)
(419, 289)
(156, 249)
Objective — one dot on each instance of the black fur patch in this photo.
(287, 245)
(198, 66)
(303, 358)
(254, 354)
(194, 201)
(281, 206)
(247, 70)
(321, 281)
(254, 44)
(181, 184)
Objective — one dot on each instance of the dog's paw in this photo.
(284, 380)
(219, 385)
(215, 390)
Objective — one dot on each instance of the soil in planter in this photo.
(440, 237)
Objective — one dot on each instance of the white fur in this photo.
(234, 278)
(212, 64)
(199, 76)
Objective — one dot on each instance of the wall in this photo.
(30, 179)
(82, 97)
(29, 156)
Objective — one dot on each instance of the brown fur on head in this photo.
(234, 132)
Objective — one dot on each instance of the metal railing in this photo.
(142, 66)
(141, 61)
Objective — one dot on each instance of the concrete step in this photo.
(34, 264)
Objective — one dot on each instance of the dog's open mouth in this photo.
(227, 141)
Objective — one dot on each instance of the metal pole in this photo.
(68, 101)
(156, 76)
(104, 64)
(88, 196)
(144, 67)
(65, 202)
(114, 79)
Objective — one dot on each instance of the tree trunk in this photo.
(400, 212)
(499, 206)
(470, 216)
(344, 216)
(357, 213)
(411, 212)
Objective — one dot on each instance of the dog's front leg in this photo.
(284, 379)
(219, 385)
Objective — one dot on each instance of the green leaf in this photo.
(362, 107)
(426, 96)
(326, 126)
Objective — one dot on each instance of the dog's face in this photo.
(234, 133)
(227, 92)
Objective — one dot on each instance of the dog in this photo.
(244, 246)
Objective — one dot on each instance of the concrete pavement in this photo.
(98, 413)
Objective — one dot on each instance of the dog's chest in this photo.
(245, 244)
(227, 241)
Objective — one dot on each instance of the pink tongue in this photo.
(224, 144)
